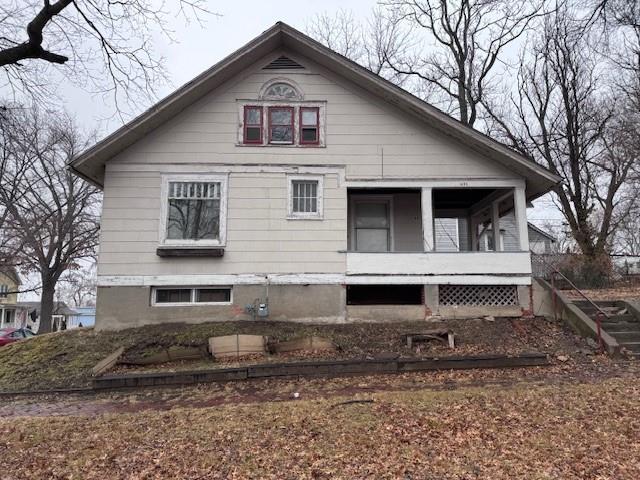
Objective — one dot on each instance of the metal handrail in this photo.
(600, 312)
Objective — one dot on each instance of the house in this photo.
(540, 242)
(84, 317)
(61, 315)
(10, 312)
(287, 182)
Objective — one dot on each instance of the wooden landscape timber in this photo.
(312, 343)
(322, 368)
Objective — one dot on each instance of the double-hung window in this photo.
(305, 197)
(309, 125)
(281, 125)
(195, 210)
(252, 124)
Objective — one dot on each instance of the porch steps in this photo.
(623, 323)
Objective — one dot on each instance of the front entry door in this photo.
(372, 225)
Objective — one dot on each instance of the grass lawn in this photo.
(563, 431)
(65, 359)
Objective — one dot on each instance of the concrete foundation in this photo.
(127, 307)
(385, 313)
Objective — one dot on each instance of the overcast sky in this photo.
(198, 47)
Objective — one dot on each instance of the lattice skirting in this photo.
(478, 295)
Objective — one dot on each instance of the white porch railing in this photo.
(439, 263)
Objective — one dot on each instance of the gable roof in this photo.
(542, 232)
(10, 272)
(90, 163)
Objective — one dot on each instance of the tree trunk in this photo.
(46, 306)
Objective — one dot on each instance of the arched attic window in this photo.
(280, 89)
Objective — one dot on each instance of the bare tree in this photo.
(462, 48)
(78, 286)
(564, 119)
(368, 42)
(54, 222)
(102, 45)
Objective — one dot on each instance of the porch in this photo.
(462, 250)
(438, 231)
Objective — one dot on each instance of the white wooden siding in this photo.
(365, 138)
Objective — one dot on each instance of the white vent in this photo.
(478, 295)
(283, 63)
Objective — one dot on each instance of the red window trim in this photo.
(317, 126)
(293, 130)
(245, 125)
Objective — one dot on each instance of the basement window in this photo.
(178, 296)
(385, 294)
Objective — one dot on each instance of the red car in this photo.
(10, 335)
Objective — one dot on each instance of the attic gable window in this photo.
(309, 125)
(281, 91)
(281, 125)
(253, 124)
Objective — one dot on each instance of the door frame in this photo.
(353, 199)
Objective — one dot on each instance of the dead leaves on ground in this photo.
(567, 431)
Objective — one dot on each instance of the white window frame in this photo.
(192, 302)
(164, 209)
(319, 215)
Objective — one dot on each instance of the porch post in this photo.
(520, 209)
(495, 226)
(427, 219)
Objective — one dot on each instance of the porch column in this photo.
(495, 226)
(520, 209)
(427, 219)
(2, 317)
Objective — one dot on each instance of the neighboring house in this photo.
(85, 317)
(540, 242)
(10, 313)
(287, 182)
(60, 316)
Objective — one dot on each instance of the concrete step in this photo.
(627, 318)
(632, 347)
(625, 337)
(600, 303)
(620, 326)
